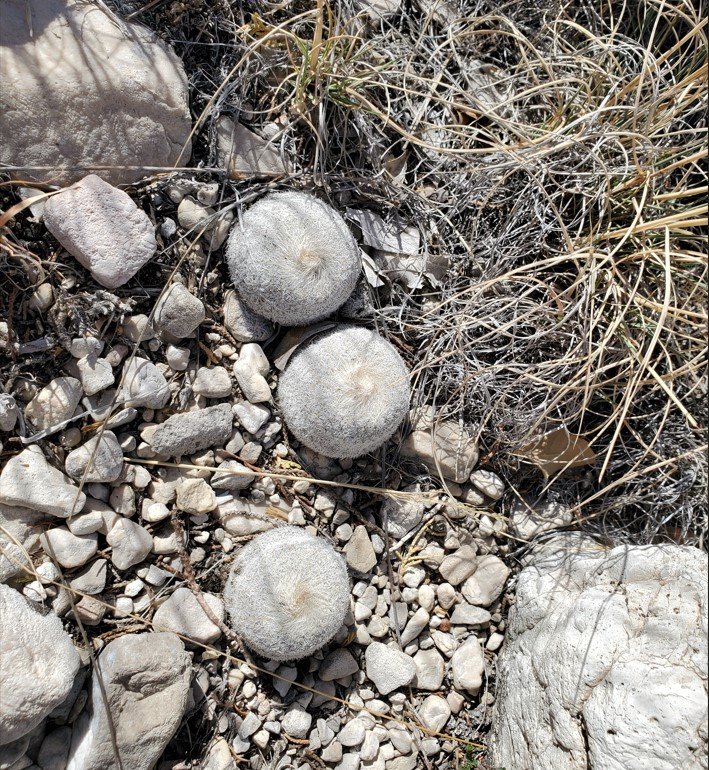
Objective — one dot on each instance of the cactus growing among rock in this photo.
(293, 258)
(287, 594)
(345, 392)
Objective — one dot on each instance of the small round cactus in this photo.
(287, 593)
(293, 258)
(344, 392)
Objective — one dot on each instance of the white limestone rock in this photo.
(183, 614)
(99, 460)
(388, 668)
(68, 549)
(144, 385)
(102, 228)
(38, 664)
(212, 382)
(55, 403)
(605, 662)
(486, 583)
(20, 529)
(242, 322)
(131, 543)
(29, 481)
(186, 433)
(146, 680)
(178, 312)
(83, 88)
(468, 666)
(445, 448)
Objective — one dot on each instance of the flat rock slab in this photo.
(29, 481)
(38, 664)
(145, 679)
(605, 663)
(102, 228)
(82, 89)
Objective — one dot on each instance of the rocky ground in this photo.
(143, 444)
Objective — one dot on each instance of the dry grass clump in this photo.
(555, 158)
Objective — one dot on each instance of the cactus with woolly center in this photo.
(292, 258)
(287, 593)
(344, 392)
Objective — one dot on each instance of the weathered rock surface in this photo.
(102, 228)
(19, 532)
(29, 481)
(187, 433)
(38, 664)
(99, 459)
(143, 384)
(242, 322)
(178, 312)
(146, 679)
(605, 663)
(388, 668)
(83, 88)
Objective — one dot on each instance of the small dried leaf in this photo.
(371, 271)
(396, 167)
(294, 338)
(394, 236)
(558, 450)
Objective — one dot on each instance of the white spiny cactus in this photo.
(345, 392)
(287, 594)
(293, 258)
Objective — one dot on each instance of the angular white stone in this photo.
(183, 614)
(102, 228)
(434, 712)
(69, 550)
(468, 666)
(388, 668)
(430, 669)
(178, 312)
(55, 403)
(143, 384)
(212, 382)
(250, 371)
(145, 679)
(101, 455)
(29, 481)
(487, 582)
(131, 543)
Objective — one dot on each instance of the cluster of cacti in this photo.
(343, 393)
(287, 593)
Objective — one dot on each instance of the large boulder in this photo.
(605, 663)
(38, 663)
(145, 679)
(83, 89)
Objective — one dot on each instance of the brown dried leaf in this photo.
(294, 338)
(558, 450)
